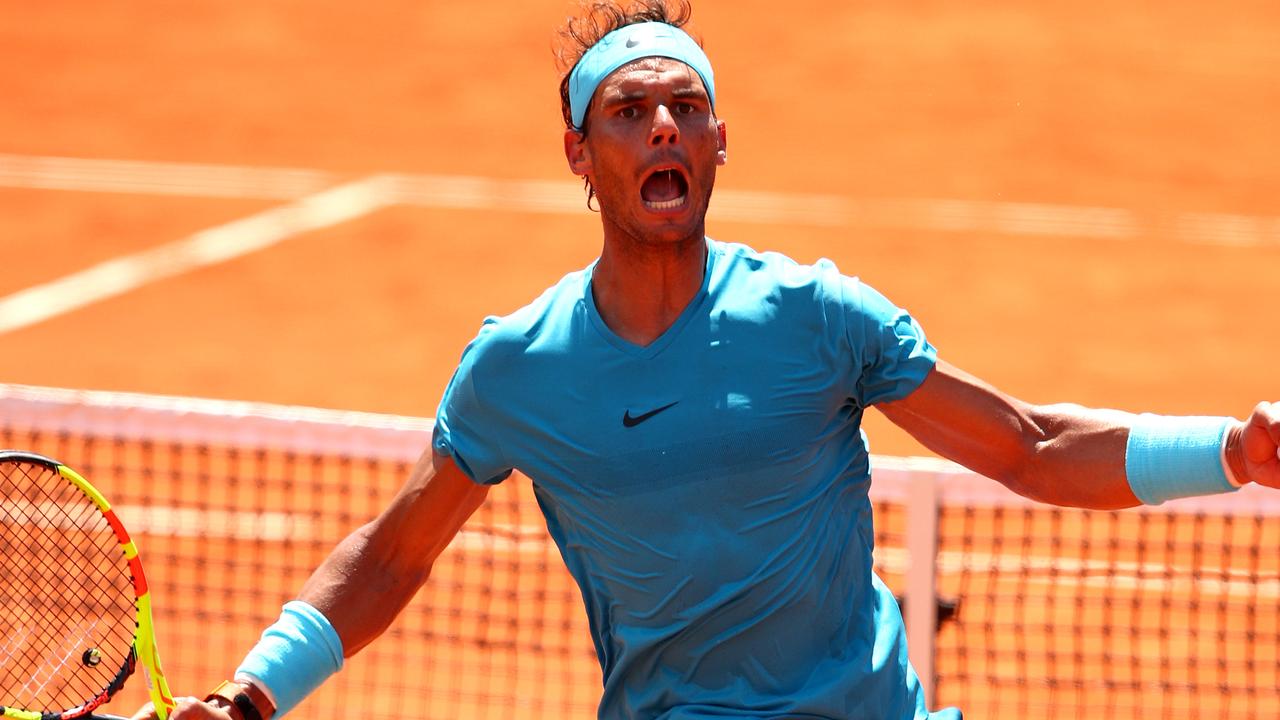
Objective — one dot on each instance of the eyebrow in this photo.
(690, 92)
(610, 99)
(623, 98)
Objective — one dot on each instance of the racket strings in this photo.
(69, 610)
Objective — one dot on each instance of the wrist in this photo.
(1233, 455)
(1177, 457)
(242, 700)
(225, 705)
(294, 656)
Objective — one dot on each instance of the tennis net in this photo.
(1027, 611)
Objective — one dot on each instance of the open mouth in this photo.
(665, 189)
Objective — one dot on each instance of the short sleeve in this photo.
(464, 429)
(895, 357)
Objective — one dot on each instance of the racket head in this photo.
(75, 614)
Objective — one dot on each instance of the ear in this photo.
(722, 155)
(576, 153)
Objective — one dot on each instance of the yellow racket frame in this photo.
(144, 645)
(145, 641)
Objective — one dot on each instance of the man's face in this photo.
(651, 150)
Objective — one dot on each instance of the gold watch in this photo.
(242, 700)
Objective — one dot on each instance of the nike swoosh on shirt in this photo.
(628, 420)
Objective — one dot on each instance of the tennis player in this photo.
(688, 411)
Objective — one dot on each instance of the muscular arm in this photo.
(1059, 454)
(372, 574)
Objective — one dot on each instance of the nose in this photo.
(664, 131)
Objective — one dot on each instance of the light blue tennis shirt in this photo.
(708, 491)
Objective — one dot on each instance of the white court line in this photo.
(160, 178)
(566, 197)
(208, 247)
(161, 521)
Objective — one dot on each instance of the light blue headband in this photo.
(632, 42)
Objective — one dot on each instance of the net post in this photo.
(921, 594)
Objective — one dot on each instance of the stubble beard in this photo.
(640, 233)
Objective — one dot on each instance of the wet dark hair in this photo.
(597, 19)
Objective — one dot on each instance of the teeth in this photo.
(666, 205)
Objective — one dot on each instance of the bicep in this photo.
(965, 420)
(1064, 454)
(427, 512)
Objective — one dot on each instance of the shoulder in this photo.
(740, 268)
(502, 337)
(802, 293)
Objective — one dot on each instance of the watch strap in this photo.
(243, 699)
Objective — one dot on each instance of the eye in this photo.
(685, 108)
(629, 112)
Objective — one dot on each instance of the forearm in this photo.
(1080, 457)
(1060, 454)
(361, 591)
(363, 584)
(1075, 457)
(1064, 455)
(376, 570)
(1104, 459)
(348, 602)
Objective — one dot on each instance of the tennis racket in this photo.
(75, 615)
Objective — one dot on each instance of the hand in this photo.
(1260, 445)
(188, 708)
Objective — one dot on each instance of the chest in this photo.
(727, 401)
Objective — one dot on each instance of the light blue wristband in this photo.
(295, 655)
(1176, 457)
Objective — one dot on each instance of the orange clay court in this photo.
(1079, 201)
